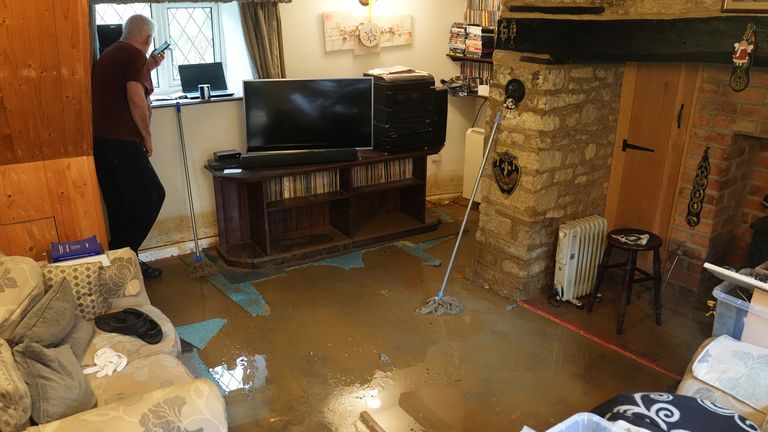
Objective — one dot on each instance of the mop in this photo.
(447, 305)
(201, 267)
(442, 304)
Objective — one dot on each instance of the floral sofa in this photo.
(47, 337)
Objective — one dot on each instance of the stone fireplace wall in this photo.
(735, 126)
(563, 136)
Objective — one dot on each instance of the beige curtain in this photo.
(264, 37)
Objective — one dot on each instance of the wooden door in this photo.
(656, 104)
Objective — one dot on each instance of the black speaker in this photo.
(108, 34)
(441, 118)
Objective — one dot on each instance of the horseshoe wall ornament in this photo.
(699, 191)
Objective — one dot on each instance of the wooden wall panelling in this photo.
(7, 151)
(72, 27)
(31, 238)
(31, 85)
(74, 194)
(24, 193)
(46, 88)
(23, 127)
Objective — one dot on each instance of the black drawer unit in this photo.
(404, 112)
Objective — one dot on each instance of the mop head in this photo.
(201, 268)
(445, 305)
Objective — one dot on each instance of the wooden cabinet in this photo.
(286, 216)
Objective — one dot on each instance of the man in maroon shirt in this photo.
(122, 140)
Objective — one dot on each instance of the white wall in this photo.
(305, 57)
(219, 125)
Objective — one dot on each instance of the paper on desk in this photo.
(733, 277)
(233, 170)
(390, 70)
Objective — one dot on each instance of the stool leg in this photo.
(599, 277)
(632, 285)
(629, 276)
(657, 285)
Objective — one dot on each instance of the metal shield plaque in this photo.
(507, 172)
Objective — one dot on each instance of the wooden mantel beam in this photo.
(702, 40)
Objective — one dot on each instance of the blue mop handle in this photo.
(469, 206)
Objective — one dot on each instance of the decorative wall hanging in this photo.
(347, 31)
(506, 171)
(696, 202)
(742, 59)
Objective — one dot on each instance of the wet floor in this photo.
(339, 344)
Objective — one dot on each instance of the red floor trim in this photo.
(601, 341)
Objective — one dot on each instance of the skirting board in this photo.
(176, 249)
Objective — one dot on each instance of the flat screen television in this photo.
(308, 114)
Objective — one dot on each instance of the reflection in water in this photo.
(379, 398)
(250, 373)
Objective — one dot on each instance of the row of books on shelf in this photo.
(382, 172)
(484, 71)
(485, 18)
(78, 251)
(471, 40)
(301, 185)
(485, 4)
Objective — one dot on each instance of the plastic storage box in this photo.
(731, 311)
(584, 422)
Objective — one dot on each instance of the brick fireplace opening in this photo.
(564, 134)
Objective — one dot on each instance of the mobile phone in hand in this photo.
(164, 46)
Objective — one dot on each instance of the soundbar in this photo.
(268, 159)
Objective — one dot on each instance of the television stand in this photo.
(269, 159)
(278, 217)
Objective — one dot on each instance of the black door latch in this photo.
(626, 145)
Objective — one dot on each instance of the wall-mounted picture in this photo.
(760, 6)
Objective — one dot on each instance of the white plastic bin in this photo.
(732, 310)
(584, 422)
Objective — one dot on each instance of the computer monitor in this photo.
(192, 75)
(107, 34)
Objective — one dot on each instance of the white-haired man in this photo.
(122, 140)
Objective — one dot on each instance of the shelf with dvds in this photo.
(457, 57)
(290, 215)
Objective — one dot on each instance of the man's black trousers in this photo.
(131, 190)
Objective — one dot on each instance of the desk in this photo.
(291, 215)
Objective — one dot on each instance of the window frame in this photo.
(159, 14)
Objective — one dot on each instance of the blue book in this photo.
(63, 251)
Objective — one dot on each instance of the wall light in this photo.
(364, 2)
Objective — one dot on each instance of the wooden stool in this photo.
(630, 267)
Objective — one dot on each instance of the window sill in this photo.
(172, 103)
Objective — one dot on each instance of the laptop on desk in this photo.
(192, 75)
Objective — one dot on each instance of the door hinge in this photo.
(626, 145)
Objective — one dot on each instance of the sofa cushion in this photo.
(50, 320)
(21, 287)
(15, 404)
(84, 279)
(737, 368)
(194, 406)
(133, 347)
(55, 381)
(79, 337)
(139, 376)
(123, 276)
